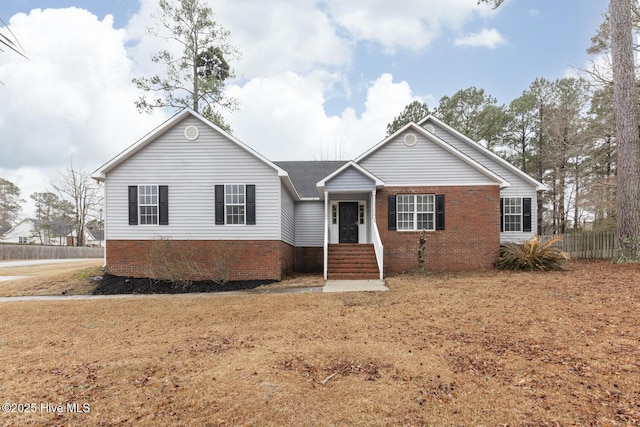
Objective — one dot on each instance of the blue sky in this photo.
(316, 79)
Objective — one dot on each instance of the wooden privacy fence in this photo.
(48, 252)
(587, 244)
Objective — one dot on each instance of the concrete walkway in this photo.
(354, 286)
(330, 286)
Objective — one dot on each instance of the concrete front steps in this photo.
(352, 261)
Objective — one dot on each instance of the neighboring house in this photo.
(37, 232)
(94, 237)
(28, 231)
(199, 190)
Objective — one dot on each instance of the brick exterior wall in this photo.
(247, 260)
(470, 240)
(309, 260)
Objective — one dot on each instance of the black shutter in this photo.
(163, 205)
(439, 211)
(501, 214)
(133, 205)
(251, 204)
(391, 212)
(219, 204)
(526, 214)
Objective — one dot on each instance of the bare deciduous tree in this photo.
(76, 186)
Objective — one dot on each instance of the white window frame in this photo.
(512, 214)
(413, 211)
(148, 201)
(23, 240)
(231, 190)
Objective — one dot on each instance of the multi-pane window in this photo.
(148, 204)
(512, 213)
(23, 240)
(415, 212)
(235, 203)
(334, 214)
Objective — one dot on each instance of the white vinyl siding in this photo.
(519, 186)
(350, 180)
(288, 217)
(309, 224)
(191, 169)
(425, 163)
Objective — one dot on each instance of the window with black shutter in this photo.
(415, 212)
(515, 214)
(148, 204)
(235, 204)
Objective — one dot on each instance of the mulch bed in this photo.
(113, 285)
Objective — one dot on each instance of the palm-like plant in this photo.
(10, 42)
(532, 255)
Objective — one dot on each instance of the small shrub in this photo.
(183, 265)
(531, 255)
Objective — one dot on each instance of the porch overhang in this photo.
(321, 186)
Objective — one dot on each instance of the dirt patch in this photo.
(113, 285)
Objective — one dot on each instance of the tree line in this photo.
(560, 132)
(74, 201)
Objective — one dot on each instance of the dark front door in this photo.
(348, 222)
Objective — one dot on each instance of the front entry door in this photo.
(348, 222)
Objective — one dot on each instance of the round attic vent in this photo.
(410, 140)
(191, 133)
(430, 128)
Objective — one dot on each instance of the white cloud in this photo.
(283, 117)
(281, 35)
(272, 36)
(410, 24)
(485, 38)
(73, 100)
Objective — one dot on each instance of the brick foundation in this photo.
(309, 260)
(246, 260)
(470, 240)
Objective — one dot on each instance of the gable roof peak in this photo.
(441, 143)
(488, 153)
(100, 173)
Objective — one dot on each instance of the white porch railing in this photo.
(326, 235)
(379, 249)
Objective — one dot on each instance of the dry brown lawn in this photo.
(472, 349)
(69, 278)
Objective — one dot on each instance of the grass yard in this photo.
(468, 349)
(68, 278)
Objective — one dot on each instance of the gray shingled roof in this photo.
(306, 174)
